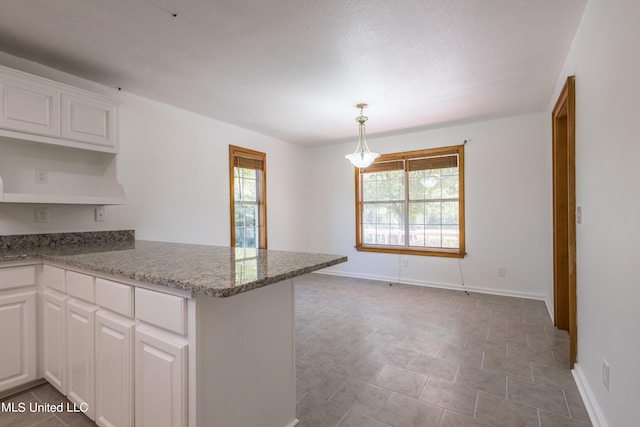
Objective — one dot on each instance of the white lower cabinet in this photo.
(18, 338)
(161, 379)
(114, 370)
(80, 326)
(53, 339)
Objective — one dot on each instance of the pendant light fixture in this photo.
(362, 157)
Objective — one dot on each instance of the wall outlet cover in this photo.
(42, 215)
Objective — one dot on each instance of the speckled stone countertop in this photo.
(209, 270)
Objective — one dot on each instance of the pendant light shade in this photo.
(362, 157)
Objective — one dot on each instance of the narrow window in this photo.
(412, 203)
(247, 176)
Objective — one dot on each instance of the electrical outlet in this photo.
(101, 214)
(42, 176)
(502, 272)
(605, 374)
(42, 215)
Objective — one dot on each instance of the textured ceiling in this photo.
(294, 69)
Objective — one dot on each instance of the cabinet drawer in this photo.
(80, 286)
(53, 277)
(166, 311)
(17, 277)
(116, 297)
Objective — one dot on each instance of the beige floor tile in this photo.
(503, 413)
(396, 356)
(456, 397)
(401, 380)
(457, 353)
(482, 379)
(545, 397)
(542, 356)
(320, 382)
(445, 369)
(550, 375)
(314, 411)
(511, 366)
(453, 419)
(359, 367)
(324, 357)
(361, 397)
(576, 405)
(354, 419)
(553, 420)
(404, 411)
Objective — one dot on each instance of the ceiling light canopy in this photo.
(362, 157)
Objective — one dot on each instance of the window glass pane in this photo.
(383, 224)
(416, 235)
(369, 214)
(433, 185)
(239, 215)
(434, 212)
(382, 186)
(450, 187)
(450, 213)
(417, 185)
(450, 236)
(249, 190)
(417, 213)
(369, 189)
(433, 236)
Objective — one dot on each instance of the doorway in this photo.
(564, 215)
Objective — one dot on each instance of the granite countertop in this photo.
(209, 270)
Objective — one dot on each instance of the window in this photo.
(247, 177)
(412, 203)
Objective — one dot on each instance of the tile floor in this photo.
(374, 355)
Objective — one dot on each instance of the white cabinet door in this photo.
(53, 339)
(18, 338)
(161, 379)
(89, 120)
(29, 107)
(113, 370)
(80, 323)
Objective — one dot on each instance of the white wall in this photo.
(604, 58)
(508, 208)
(174, 169)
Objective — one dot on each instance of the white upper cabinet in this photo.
(89, 120)
(68, 134)
(29, 107)
(37, 109)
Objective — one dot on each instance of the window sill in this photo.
(446, 253)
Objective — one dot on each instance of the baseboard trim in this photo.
(455, 287)
(590, 401)
(550, 309)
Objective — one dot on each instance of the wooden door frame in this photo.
(564, 215)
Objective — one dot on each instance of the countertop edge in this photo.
(175, 284)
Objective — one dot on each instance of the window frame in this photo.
(459, 252)
(245, 153)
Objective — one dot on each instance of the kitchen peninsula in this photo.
(151, 333)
